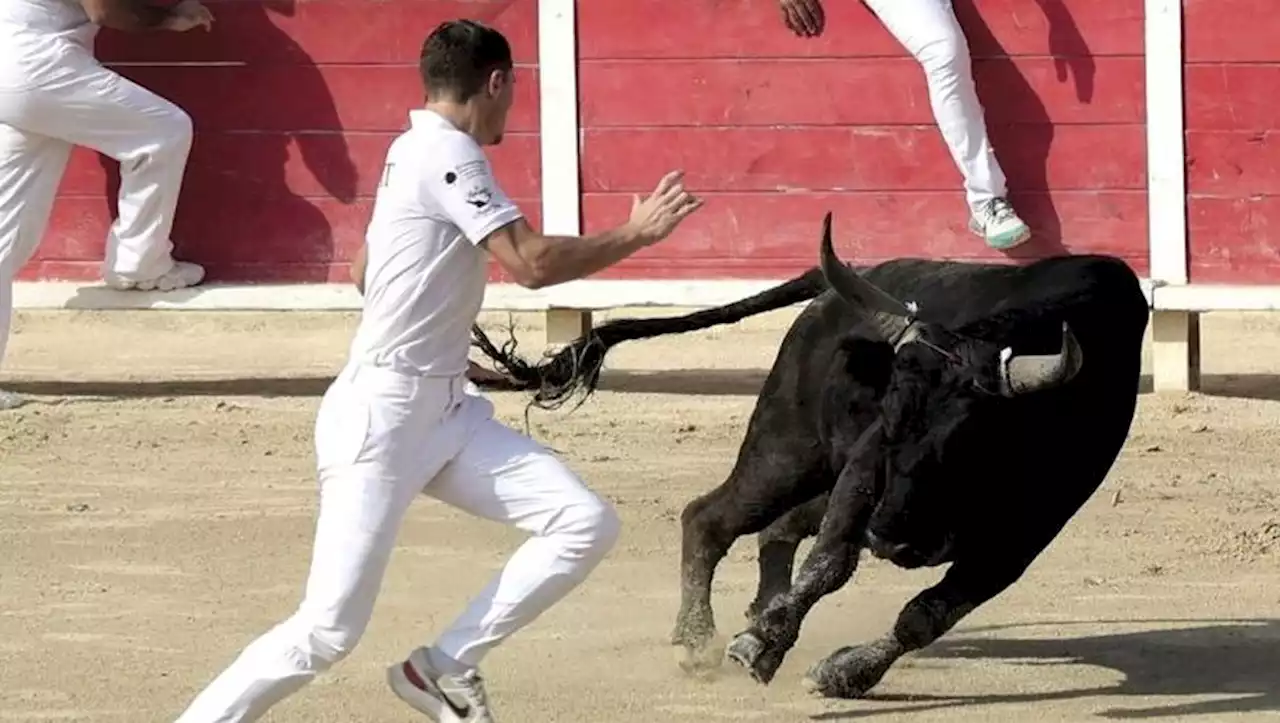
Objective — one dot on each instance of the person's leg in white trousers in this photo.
(99, 109)
(30, 167)
(928, 29)
(369, 476)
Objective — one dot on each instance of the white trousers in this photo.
(96, 108)
(381, 440)
(929, 31)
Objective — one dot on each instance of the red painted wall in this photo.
(1232, 82)
(294, 104)
(774, 130)
(295, 101)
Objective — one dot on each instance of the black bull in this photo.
(965, 424)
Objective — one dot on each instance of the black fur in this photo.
(912, 453)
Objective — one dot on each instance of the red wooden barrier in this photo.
(295, 101)
(1233, 143)
(774, 130)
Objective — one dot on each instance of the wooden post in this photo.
(558, 134)
(1175, 333)
(566, 325)
(1175, 351)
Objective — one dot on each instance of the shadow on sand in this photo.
(1234, 658)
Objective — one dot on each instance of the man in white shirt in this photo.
(401, 419)
(54, 95)
(928, 29)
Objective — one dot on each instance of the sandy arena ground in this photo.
(157, 501)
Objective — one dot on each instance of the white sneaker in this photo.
(443, 698)
(182, 275)
(996, 222)
(10, 400)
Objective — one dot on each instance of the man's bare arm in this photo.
(127, 15)
(535, 261)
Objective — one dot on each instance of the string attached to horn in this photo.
(893, 320)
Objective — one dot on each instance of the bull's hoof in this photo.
(850, 673)
(700, 658)
(757, 657)
(745, 649)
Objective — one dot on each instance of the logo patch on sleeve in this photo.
(479, 197)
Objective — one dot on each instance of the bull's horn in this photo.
(1023, 374)
(888, 315)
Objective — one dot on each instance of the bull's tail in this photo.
(577, 367)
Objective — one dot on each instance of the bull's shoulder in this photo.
(1094, 281)
(1095, 269)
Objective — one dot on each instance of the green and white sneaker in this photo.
(997, 222)
(442, 698)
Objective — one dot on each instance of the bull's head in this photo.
(933, 380)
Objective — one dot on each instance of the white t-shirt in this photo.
(425, 279)
(43, 41)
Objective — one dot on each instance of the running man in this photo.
(928, 29)
(401, 419)
(54, 95)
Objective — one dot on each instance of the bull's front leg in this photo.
(707, 536)
(762, 647)
(772, 476)
(777, 552)
(851, 672)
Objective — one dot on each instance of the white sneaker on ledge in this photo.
(183, 274)
(10, 400)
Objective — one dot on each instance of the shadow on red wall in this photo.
(1002, 79)
(238, 213)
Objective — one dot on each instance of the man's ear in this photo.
(497, 79)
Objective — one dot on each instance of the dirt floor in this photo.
(157, 501)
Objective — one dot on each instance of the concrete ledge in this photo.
(1217, 297)
(1176, 326)
(585, 295)
(568, 306)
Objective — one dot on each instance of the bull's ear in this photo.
(868, 362)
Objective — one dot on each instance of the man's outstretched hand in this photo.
(804, 17)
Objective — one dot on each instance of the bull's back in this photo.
(957, 293)
(1101, 296)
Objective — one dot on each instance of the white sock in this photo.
(445, 664)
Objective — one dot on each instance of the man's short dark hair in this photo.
(458, 57)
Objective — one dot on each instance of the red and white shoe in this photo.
(442, 698)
